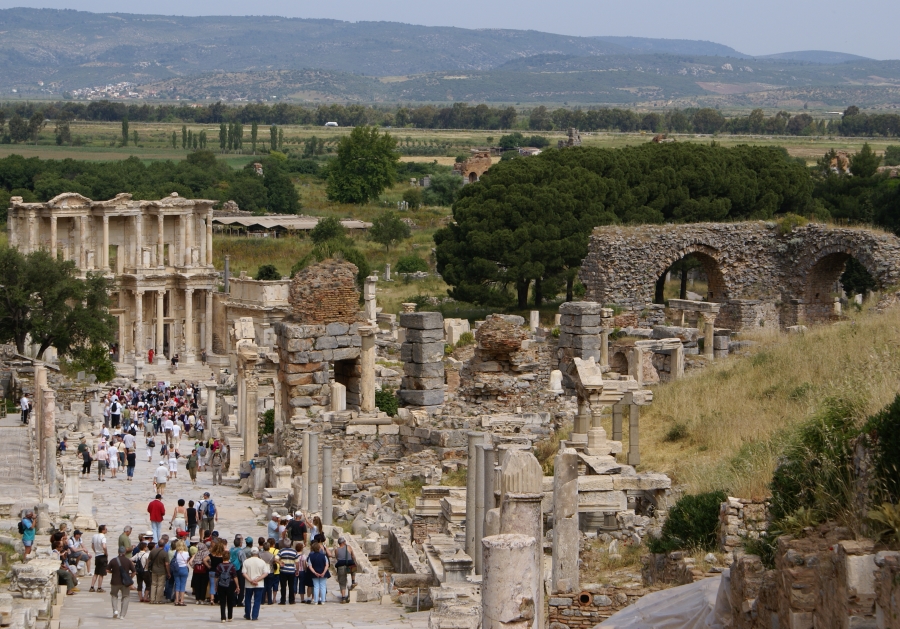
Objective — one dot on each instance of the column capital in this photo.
(139, 291)
(189, 289)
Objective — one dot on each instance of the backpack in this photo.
(210, 509)
(21, 527)
(224, 580)
(139, 566)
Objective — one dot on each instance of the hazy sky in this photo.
(864, 27)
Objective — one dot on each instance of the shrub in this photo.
(328, 228)
(267, 272)
(387, 402)
(411, 264)
(692, 523)
(677, 432)
(788, 222)
(268, 423)
(883, 431)
(413, 196)
(466, 338)
(91, 360)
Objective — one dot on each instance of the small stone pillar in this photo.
(709, 331)
(564, 576)
(283, 477)
(521, 514)
(555, 382)
(617, 422)
(676, 362)
(211, 411)
(251, 418)
(582, 423)
(42, 517)
(534, 320)
(387, 272)
(471, 489)
(634, 416)
(423, 357)
(304, 467)
(511, 582)
(367, 370)
(327, 508)
(313, 503)
(71, 487)
(338, 397)
(604, 347)
(369, 298)
(346, 474)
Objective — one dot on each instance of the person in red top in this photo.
(157, 511)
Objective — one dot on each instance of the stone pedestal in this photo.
(327, 508)
(564, 577)
(346, 474)
(510, 587)
(283, 477)
(534, 320)
(457, 568)
(338, 397)
(211, 413)
(582, 423)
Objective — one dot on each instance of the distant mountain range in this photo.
(46, 52)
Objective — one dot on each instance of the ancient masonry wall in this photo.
(591, 606)
(740, 519)
(305, 352)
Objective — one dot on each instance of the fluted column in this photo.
(31, 239)
(160, 244)
(104, 255)
(209, 239)
(182, 242)
(53, 237)
(160, 317)
(82, 251)
(189, 351)
(139, 240)
(208, 331)
(251, 426)
(138, 327)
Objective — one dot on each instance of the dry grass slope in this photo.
(722, 428)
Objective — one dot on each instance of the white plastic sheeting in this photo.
(703, 604)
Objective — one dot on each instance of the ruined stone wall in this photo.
(325, 293)
(887, 590)
(742, 261)
(740, 519)
(591, 606)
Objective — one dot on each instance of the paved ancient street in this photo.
(119, 502)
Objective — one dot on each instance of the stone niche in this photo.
(325, 293)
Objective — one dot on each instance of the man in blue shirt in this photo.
(28, 532)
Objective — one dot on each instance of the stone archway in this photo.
(820, 275)
(473, 177)
(708, 257)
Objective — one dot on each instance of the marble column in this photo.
(327, 508)
(471, 488)
(189, 239)
(104, 255)
(313, 502)
(208, 317)
(564, 576)
(139, 240)
(211, 414)
(634, 416)
(251, 426)
(82, 237)
(160, 321)
(189, 349)
(48, 419)
(604, 347)
(53, 237)
(479, 503)
(709, 331)
(511, 582)
(304, 468)
(209, 239)
(160, 240)
(369, 298)
(181, 256)
(138, 327)
(597, 413)
(32, 245)
(367, 370)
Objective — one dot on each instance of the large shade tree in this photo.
(365, 166)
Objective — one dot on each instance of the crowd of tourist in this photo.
(294, 559)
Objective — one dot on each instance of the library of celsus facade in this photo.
(158, 254)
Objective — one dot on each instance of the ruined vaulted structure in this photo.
(758, 274)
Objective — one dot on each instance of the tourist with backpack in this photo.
(208, 513)
(226, 587)
(27, 530)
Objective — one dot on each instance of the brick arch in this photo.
(709, 258)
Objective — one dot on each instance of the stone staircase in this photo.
(162, 372)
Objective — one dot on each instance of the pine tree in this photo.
(203, 139)
(190, 139)
(230, 136)
(273, 138)
(134, 138)
(254, 133)
(280, 139)
(125, 131)
(174, 140)
(223, 134)
(184, 135)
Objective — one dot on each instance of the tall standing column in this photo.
(160, 320)
(709, 331)
(474, 439)
(182, 255)
(31, 231)
(82, 237)
(211, 411)
(564, 577)
(53, 237)
(104, 255)
(313, 502)
(304, 468)
(251, 427)
(604, 347)
(479, 503)
(327, 508)
(160, 240)
(367, 367)
(209, 239)
(208, 317)
(139, 240)
(48, 419)
(189, 238)
(617, 422)
(634, 452)
(511, 582)
(138, 327)
(189, 350)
